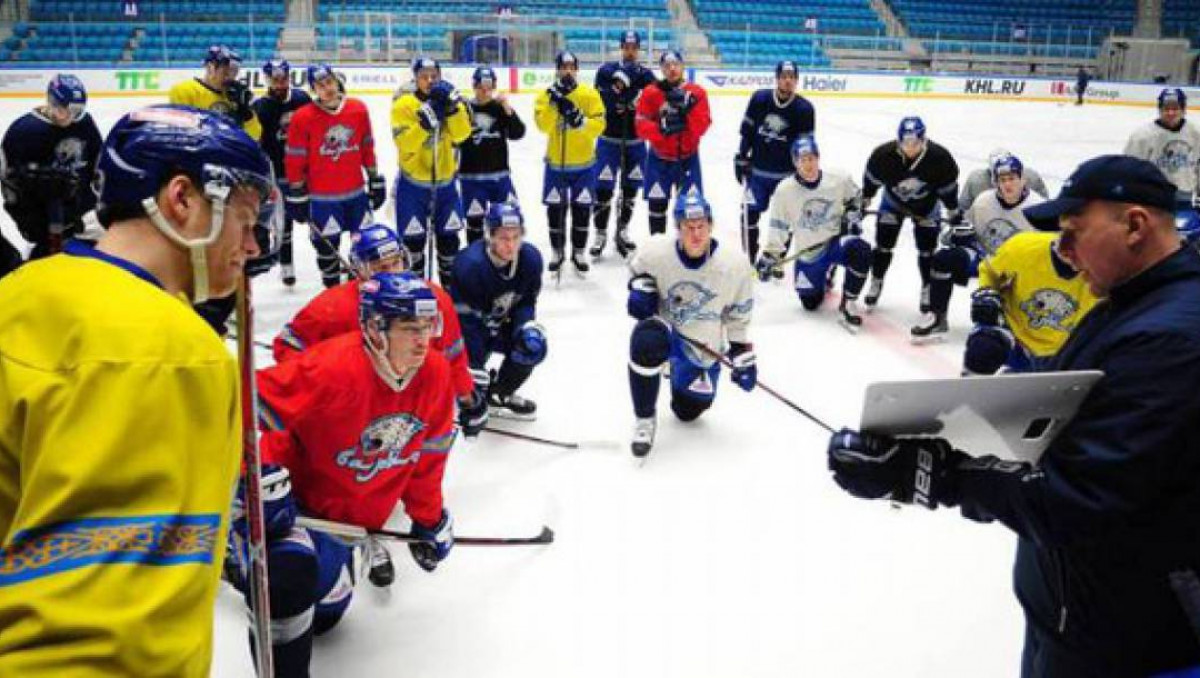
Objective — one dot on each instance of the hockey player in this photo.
(774, 120)
(1171, 144)
(1028, 302)
(329, 147)
(427, 123)
(220, 90)
(350, 428)
(498, 280)
(822, 211)
(274, 112)
(620, 154)
(48, 159)
(994, 217)
(483, 172)
(119, 413)
(981, 180)
(571, 114)
(915, 174)
(672, 115)
(687, 286)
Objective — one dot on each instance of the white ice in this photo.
(730, 552)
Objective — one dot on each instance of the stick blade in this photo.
(545, 537)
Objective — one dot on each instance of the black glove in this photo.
(376, 191)
(987, 307)
(473, 413)
(240, 95)
(565, 85)
(907, 470)
(428, 117)
(436, 544)
(574, 118)
(444, 99)
(962, 235)
(680, 99)
(766, 265)
(954, 217)
(741, 167)
(672, 123)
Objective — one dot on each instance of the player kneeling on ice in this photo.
(350, 428)
(497, 282)
(822, 212)
(683, 290)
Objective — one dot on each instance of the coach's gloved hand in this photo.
(428, 118)
(741, 167)
(296, 205)
(987, 307)
(529, 344)
(376, 190)
(435, 544)
(643, 296)
(745, 366)
(766, 266)
(909, 470)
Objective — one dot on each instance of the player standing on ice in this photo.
(672, 115)
(774, 120)
(994, 217)
(915, 174)
(687, 286)
(822, 212)
(1172, 145)
(483, 172)
(119, 412)
(427, 123)
(571, 114)
(351, 427)
(275, 110)
(220, 90)
(329, 148)
(496, 293)
(620, 154)
(48, 159)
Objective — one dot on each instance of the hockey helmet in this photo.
(221, 55)
(484, 75)
(786, 66)
(631, 37)
(385, 297)
(67, 91)
(318, 72)
(502, 215)
(1172, 95)
(911, 127)
(805, 144)
(1006, 164)
(276, 67)
(375, 242)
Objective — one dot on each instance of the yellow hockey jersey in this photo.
(119, 450)
(1040, 305)
(414, 145)
(197, 94)
(579, 150)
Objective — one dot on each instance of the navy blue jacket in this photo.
(492, 301)
(275, 115)
(1113, 506)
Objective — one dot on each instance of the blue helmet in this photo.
(483, 75)
(566, 58)
(318, 72)
(422, 62)
(911, 127)
(670, 55)
(1006, 163)
(274, 67)
(631, 38)
(221, 55)
(1172, 95)
(373, 243)
(67, 91)
(692, 206)
(503, 214)
(805, 144)
(786, 66)
(385, 297)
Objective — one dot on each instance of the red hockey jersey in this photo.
(353, 445)
(334, 312)
(650, 107)
(328, 150)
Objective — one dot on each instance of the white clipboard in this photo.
(1011, 416)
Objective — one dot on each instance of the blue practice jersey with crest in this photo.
(491, 298)
(769, 128)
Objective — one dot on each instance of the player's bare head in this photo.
(806, 157)
(671, 65)
(1007, 173)
(631, 46)
(426, 72)
(693, 219)
(505, 231)
(566, 65)
(399, 316)
(376, 249)
(911, 136)
(221, 65)
(483, 81)
(1172, 106)
(787, 75)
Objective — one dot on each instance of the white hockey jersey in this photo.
(981, 180)
(994, 223)
(1175, 153)
(812, 216)
(711, 304)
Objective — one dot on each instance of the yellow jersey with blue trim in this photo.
(1044, 299)
(415, 144)
(570, 148)
(197, 94)
(119, 450)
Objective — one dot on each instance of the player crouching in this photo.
(687, 289)
(351, 427)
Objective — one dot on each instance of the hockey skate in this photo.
(625, 245)
(873, 292)
(580, 263)
(511, 406)
(555, 266)
(381, 572)
(598, 243)
(643, 436)
(288, 273)
(925, 298)
(933, 327)
(849, 316)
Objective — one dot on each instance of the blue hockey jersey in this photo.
(769, 128)
(494, 300)
(43, 162)
(619, 107)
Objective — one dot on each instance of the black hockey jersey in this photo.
(914, 185)
(768, 130)
(274, 115)
(619, 107)
(45, 164)
(486, 150)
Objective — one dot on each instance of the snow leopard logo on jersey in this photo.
(484, 122)
(816, 215)
(996, 232)
(68, 155)
(501, 308)
(284, 121)
(337, 141)
(1176, 155)
(381, 446)
(1050, 308)
(910, 189)
(686, 300)
(773, 128)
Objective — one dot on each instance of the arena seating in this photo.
(988, 20)
(854, 17)
(1182, 18)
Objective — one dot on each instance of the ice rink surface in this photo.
(730, 553)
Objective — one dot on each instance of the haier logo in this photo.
(994, 87)
(812, 83)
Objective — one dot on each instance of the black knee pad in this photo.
(650, 343)
(953, 261)
(858, 254)
(293, 579)
(810, 302)
(887, 232)
(686, 407)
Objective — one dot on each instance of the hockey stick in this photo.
(546, 536)
(260, 599)
(532, 439)
(431, 220)
(720, 357)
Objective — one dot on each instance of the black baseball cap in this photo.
(1115, 178)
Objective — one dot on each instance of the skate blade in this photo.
(505, 413)
(926, 341)
(849, 327)
(582, 275)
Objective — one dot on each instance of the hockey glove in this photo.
(473, 412)
(672, 123)
(574, 118)
(766, 265)
(908, 470)
(435, 543)
(565, 85)
(962, 235)
(621, 82)
(428, 118)
(279, 506)
(852, 222)
(296, 204)
(241, 96)
(987, 350)
(680, 99)
(745, 366)
(741, 167)
(643, 297)
(566, 107)
(954, 217)
(987, 307)
(529, 345)
(376, 190)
